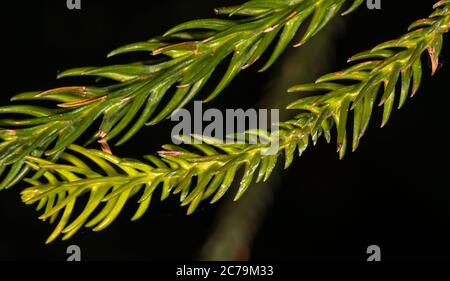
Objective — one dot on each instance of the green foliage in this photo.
(111, 182)
(374, 80)
(206, 171)
(183, 60)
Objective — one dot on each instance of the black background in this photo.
(393, 192)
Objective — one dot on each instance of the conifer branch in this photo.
(206, 171)
(184, 60)
(374, 81)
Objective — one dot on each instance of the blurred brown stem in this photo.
(231, 238)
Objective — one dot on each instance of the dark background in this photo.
(393, 192)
